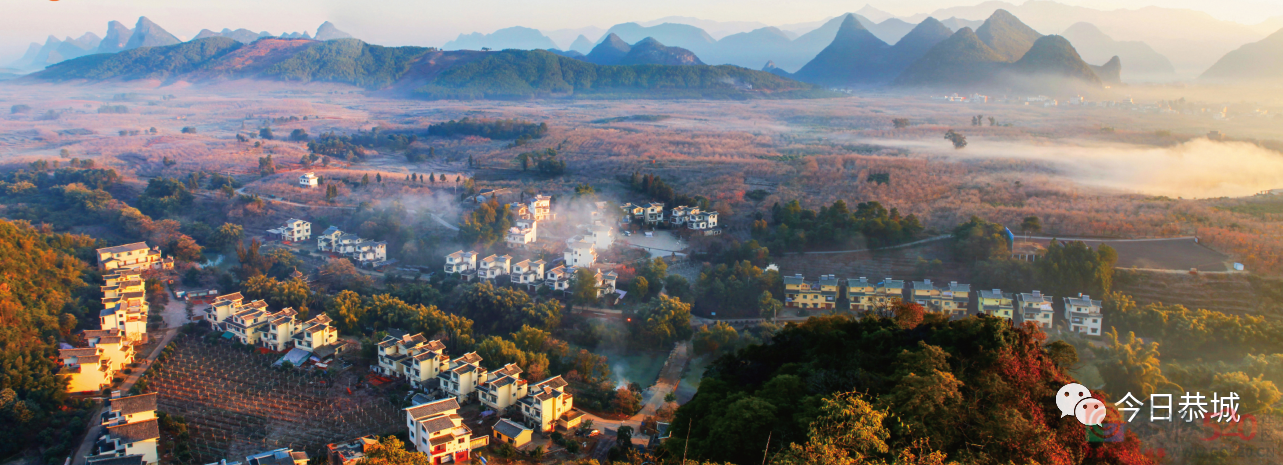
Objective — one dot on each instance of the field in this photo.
(1165, 254)
(237, 404)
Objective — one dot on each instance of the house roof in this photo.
(993, 294)
(135, 431)
(470, 357)
(124, 248)
(134, 404)
(510, 369)
(437, 423)
(92, 333)
(232, 296)
(554, 382)
(113, 459)
(78, 352)
(510, 429)
(433, 408)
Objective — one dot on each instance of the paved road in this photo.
(82, 452)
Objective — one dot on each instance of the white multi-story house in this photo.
(133, 256)
(1083, 314)
(955, 299)
(412, 357)
(87, 369)
(461, 263)
(632, 213)
(504, 388)
(677, 216)
(124, 304)
(527, 273)
(463, 376)
(702, 221)
(580, 253)
(860, 294)
(122, 441)
(558, 279)
(253, 324)
(113, 344)
(122, 410)
(295, 230)
(549, 405)
(601, 236)
(523, 232)
(1034, 307)
(540, 208)
(494, 266)
(888, 293)
(654, 213)
(367, 251)
(308, 179)
(437, 430)
(328, 240)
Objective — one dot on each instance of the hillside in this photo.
(1143, 62)
(402, 71)
(514, 74)
(1006, 35)
(856, 56)
(141, 63)
(117, 36)
(915, 44)
(651, 52)
(243, 36)
(1053, 57)
(610, 51)
(1259, 62)
(328, 31)
(1111, 72)
(581, 45)
(962, 59)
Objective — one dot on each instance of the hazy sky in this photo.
(433, 22)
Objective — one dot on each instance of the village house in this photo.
(1034, 307)
(924, 293)
(318, 337)
(282, 456)
(702, 221)
(527, 273)
(549, 405)
(86, 369)
(504, 388)
(328, 240)
(133, 256)
(494, 266)
(463, 376)
(860, 294)
(295, 230)
(677, 216)
(113, 344)
(540, 208)
(309, 179)
(580, 253)
(413, 358)
(512, 433)
(127, 439)
(350, 452)
(955, 299)
(632, 213)
(368, 251)
(461, 263)
(800, 293)
(654, 213)
(121, 410)
(125, 304)
(888, 293)
(558, 279)
(1083, 314)
(254, 324)
(995, 303)
(437, 430)
(522, 232)
(601, 236)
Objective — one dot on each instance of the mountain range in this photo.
(1143, 63)
(517, 37)
(427, 73)
(648, 51)
(145, 33)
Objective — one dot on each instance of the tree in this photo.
(378, 177)
(768, 305)
(978, 240)
(662, 322)
(583, 286)
(331, 192)
(265, 133)
(1132, 366)
(1031, 225)
(227, 236)
(391, 451)
(64, 153)
(298, 135)
(959, 140)
(900, 123)
(266, 166)
(189, 130)
(639, 288)
(907, 315)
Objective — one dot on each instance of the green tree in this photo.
(959, 141)
(1132, 366)
(978, 240)
(265, 133)
(583, 286)
(714, 339)
(849, 430)
(640, 288)
(227, 237)
(298, 135)
(900, 123)
(1031, 225)
(768, 305)
(391, 451)
(662, 322)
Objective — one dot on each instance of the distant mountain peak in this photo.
(1054, 55)
(610, 51)
(149, 34)
(874, 14)
(581, 44)
(328, 31)
(854, 56)
(650, 51)
(116, 38)
(1007, 35)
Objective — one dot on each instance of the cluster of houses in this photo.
(252, 323)
(528, 214)
(681, 217)
(294, 230)
(122, 321)
(436, 429)
(953, 299)
(529, 274)
(363, 251)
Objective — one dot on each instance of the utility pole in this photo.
(768, 447)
